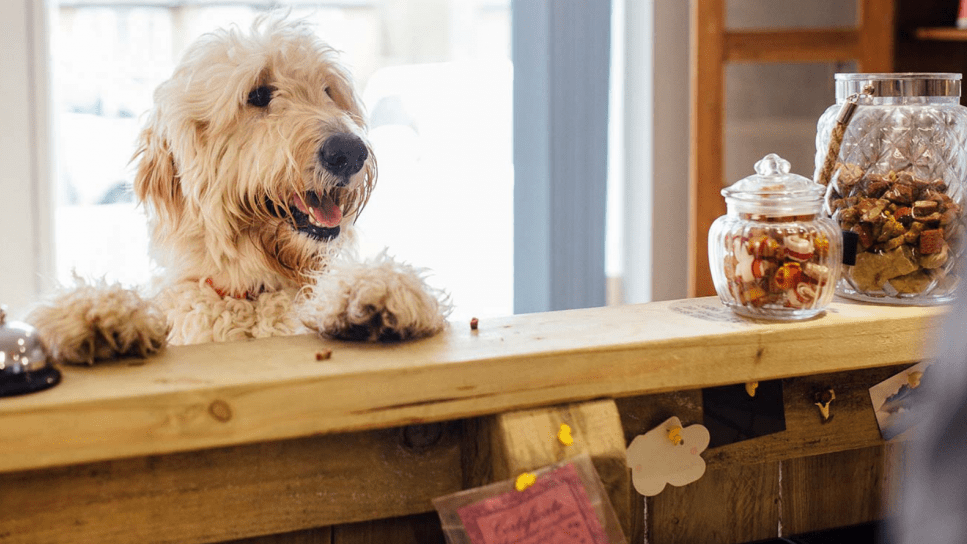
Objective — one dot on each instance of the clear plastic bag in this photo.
(566, 504)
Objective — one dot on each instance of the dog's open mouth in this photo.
(316, 214)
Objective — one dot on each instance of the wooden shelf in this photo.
(945, 34)
(212, 395)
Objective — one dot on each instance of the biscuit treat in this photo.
(892, 153)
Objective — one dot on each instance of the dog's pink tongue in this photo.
(326, 213)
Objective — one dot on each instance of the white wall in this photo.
(656, 150)
(25, 262)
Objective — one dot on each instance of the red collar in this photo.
(223, 293)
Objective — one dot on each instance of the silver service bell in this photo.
(24, 367)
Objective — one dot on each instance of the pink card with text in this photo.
(555, 510)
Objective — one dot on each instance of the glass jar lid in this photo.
(904, 84)
(773, 190)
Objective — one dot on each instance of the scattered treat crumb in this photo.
(323, 355)
(473, 324)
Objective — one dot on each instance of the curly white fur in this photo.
(380, 299)
(98, 320)
(250, 210)
(198, 314)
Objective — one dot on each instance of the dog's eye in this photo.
(329, 91)
(260, 96)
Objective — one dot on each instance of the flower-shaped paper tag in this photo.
(667, 454)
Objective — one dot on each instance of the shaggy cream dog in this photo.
(253, 167)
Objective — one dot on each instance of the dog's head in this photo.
(254, 159)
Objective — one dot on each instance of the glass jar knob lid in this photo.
(774, 182)
(772, 165)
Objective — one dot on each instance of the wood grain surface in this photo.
(727, 505)
(232, 493)
(834, 473)
(527, 440)
(811, 45)
(212, 395)
(832, 490)
(706, 161)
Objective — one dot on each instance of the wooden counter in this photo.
(239, 424)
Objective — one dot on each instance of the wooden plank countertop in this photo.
(210, 395)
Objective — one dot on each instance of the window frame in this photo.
(656, 159)
(27, 204)
(562, 57)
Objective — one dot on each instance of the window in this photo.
(435, 76)
(463, 49)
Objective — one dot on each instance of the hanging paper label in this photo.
(555, 510)
(898, 401)
(667, 454)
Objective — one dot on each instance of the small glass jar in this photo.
(893, 153)
(775, 255)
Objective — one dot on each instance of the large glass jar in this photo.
(775, 255)
(893, 153)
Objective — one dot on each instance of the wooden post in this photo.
(707, 121)
(310, 536)
(833, 490)
(527, 439)
(877, 27)
(415, 529)
(225, 494)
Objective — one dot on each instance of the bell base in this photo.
(28, 382)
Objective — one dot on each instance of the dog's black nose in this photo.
(343, 154)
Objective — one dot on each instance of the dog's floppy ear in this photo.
(156, 183)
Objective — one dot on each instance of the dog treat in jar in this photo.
(775, 255)
(892, 153)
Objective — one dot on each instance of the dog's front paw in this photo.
(380, 299)
(99, 321)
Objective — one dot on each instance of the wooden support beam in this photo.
(527, 440)
(213, 395)
(835, 473)
(833, 490)
(293, 485)
(322, 535)
(415, 529)
(239, 492)
(876, 35)
(853, 425)
(728, 505)
(804, 45)
(706, 159)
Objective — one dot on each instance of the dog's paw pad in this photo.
(378, 300)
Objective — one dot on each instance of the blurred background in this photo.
(435, 76)
(439, 82)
